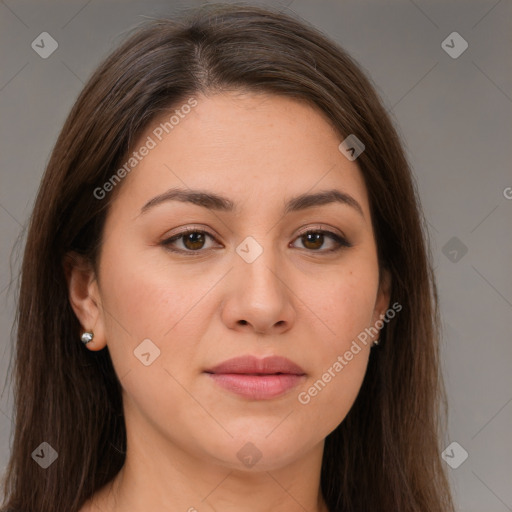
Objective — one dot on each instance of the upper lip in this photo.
(253, 365)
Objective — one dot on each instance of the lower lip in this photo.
(258, 387)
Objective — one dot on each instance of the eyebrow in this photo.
(223, 204)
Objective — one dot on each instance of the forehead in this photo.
(253, 148)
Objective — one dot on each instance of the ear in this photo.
(383, 296)
(84, 297)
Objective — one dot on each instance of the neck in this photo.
(154, 478)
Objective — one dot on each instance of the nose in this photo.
(259, 297)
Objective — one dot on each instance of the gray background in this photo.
(455, 119)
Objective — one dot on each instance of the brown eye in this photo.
(314, 240)
(192, 240)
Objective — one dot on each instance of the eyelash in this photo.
(342, 242)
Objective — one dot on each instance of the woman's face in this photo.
(247, 281)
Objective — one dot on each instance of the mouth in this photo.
(257, 379)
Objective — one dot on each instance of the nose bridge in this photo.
(258, 296)
(258, 264)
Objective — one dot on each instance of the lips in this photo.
(255, 378)
(250, 365)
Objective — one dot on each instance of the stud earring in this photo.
(86, 337)
(376, 342)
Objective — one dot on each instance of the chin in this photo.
(254, 451)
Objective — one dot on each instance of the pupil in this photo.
(315, 237)
(195, 239)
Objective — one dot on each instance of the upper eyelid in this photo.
(314, 229)
(306, 230)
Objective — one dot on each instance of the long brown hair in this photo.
(385, 455)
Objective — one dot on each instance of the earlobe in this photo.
(83, 294)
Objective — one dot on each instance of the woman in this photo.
(226, 299)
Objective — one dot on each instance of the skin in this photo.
(295, 300)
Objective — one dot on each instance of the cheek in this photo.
(149, 298)
(329, 395)
(337, 373)
(346, 305)
(145, 299)
(340, 361)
